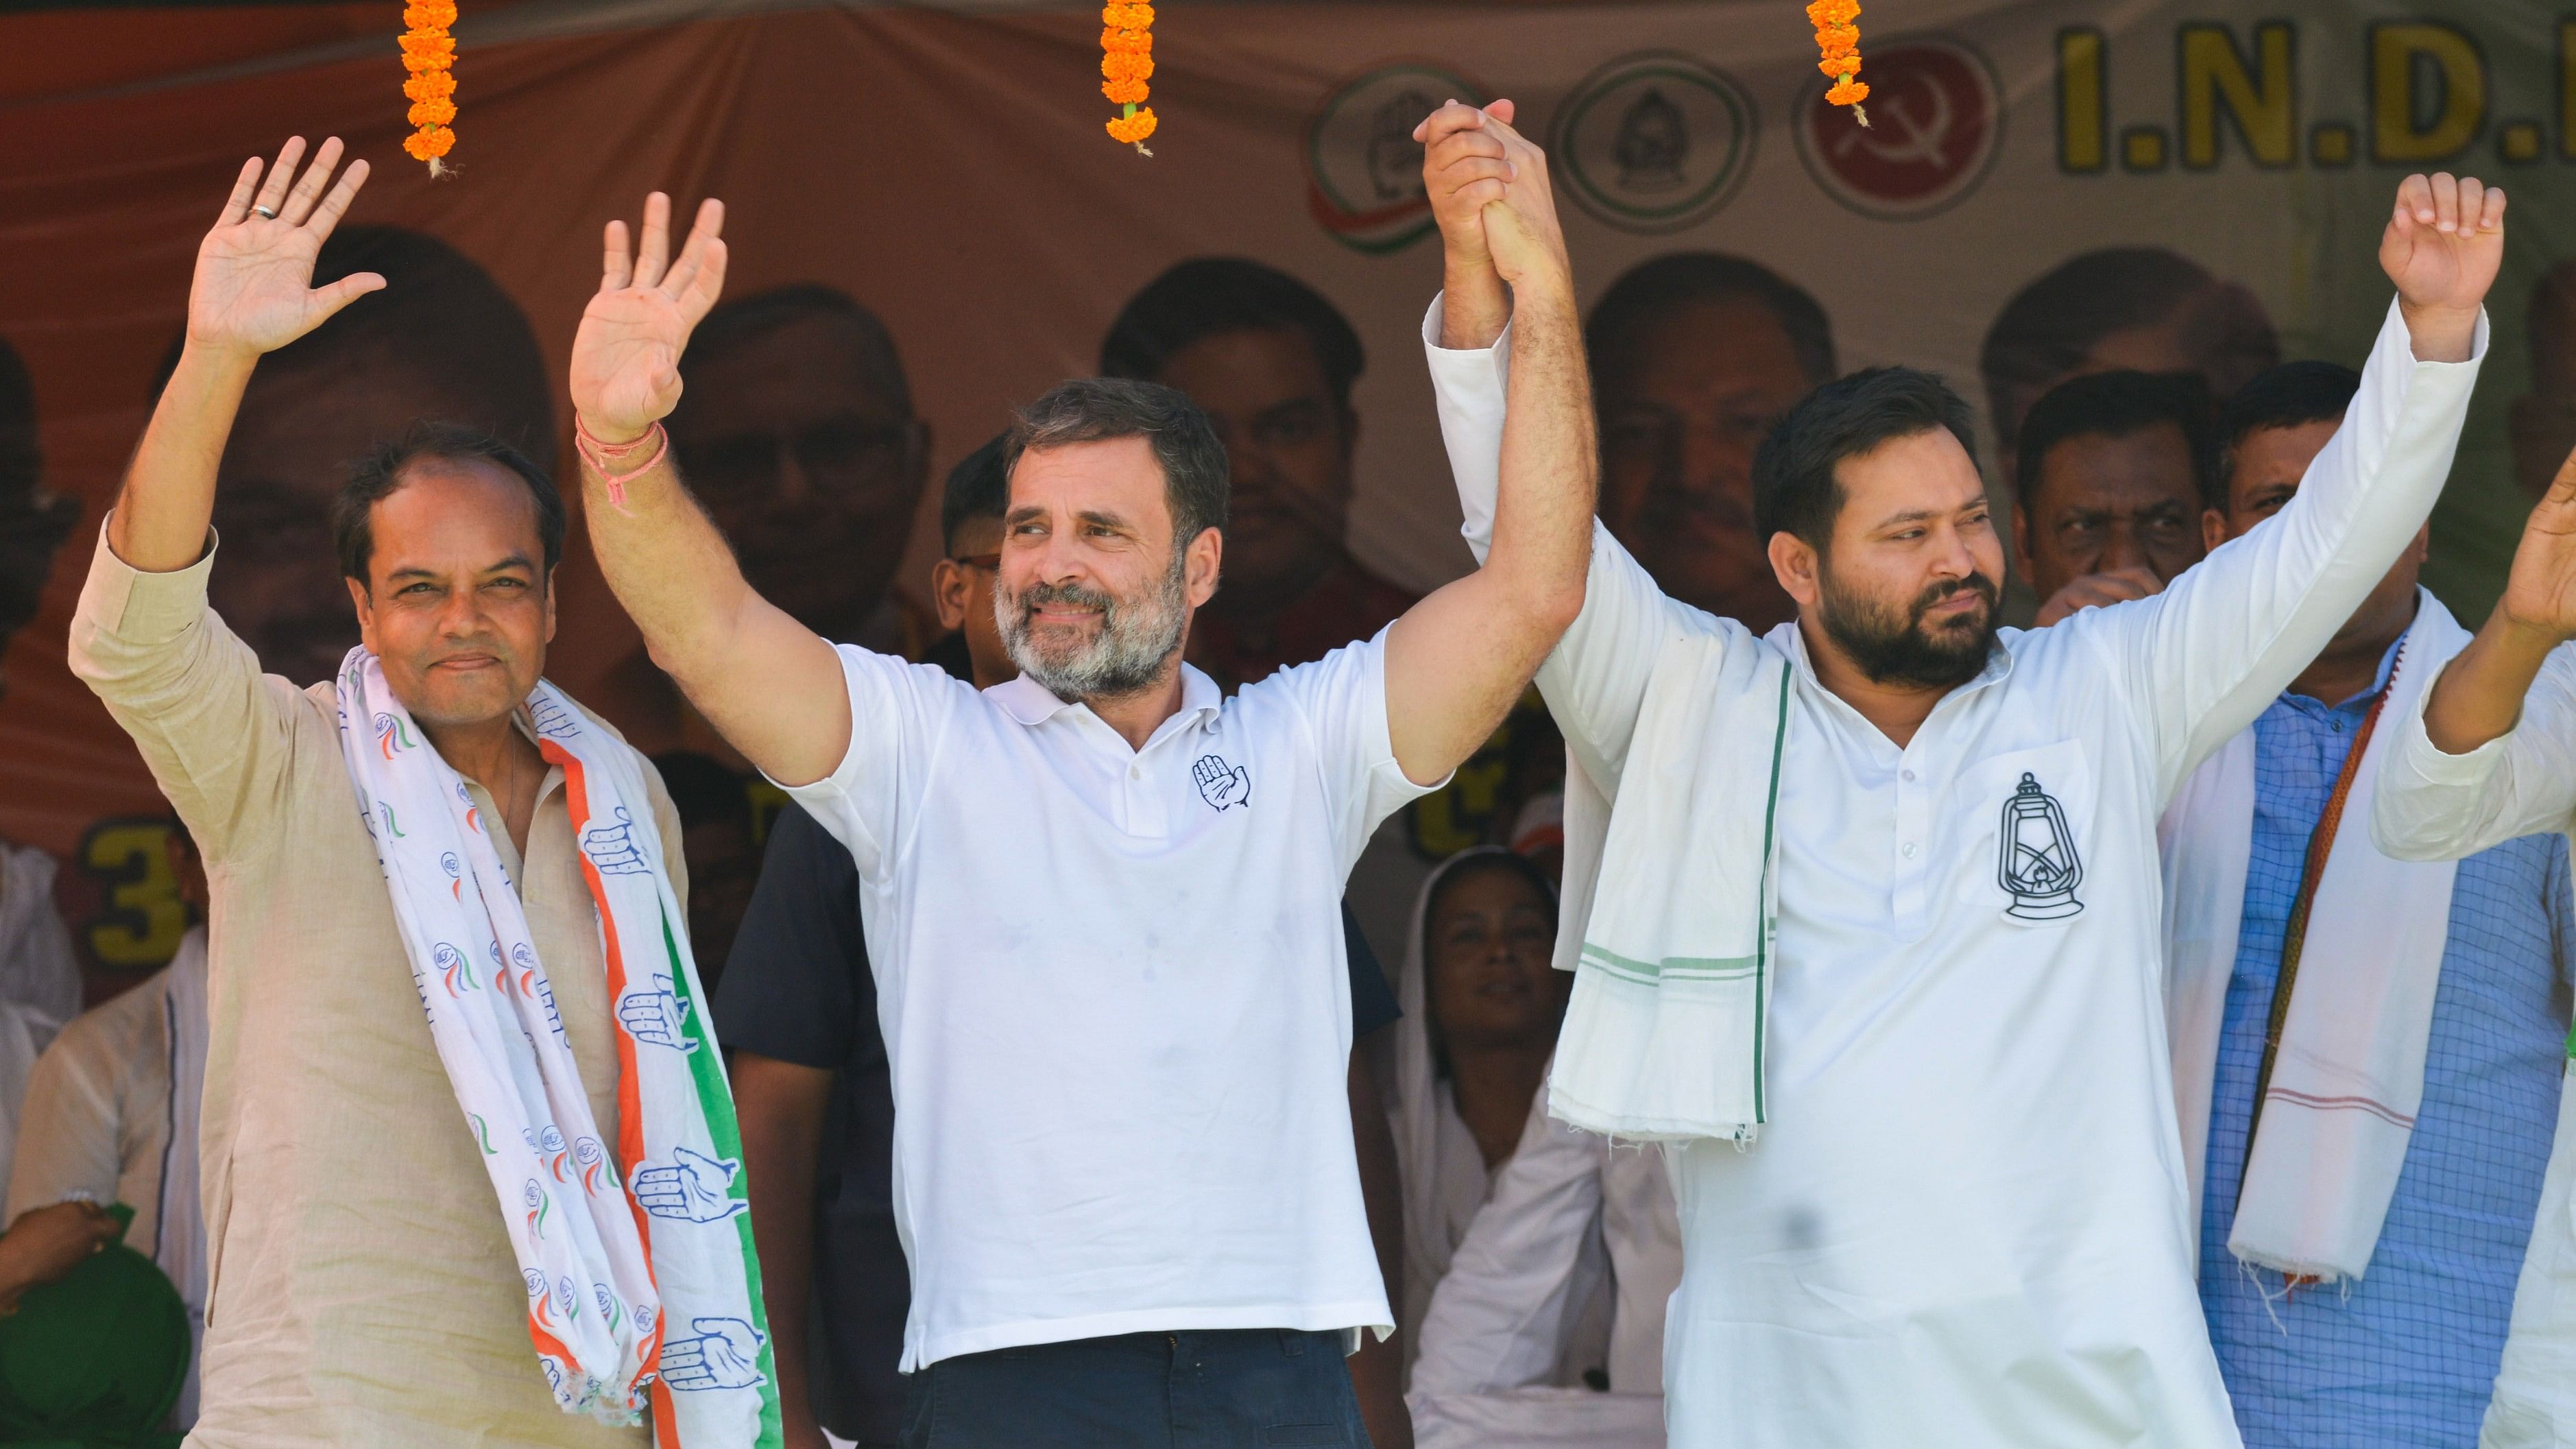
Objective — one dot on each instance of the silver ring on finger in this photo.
(266, 211)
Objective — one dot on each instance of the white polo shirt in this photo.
(1966, 1222)
(1114, 997)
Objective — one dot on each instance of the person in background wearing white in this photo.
(1903, 1023)
(112, 1111)
(1101, 900)
(1481, 1008)
(2488, 758)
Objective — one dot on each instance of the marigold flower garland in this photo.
(1126, 63)
(1838, 39)
(428, 50)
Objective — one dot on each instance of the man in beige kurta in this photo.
(362, 1290)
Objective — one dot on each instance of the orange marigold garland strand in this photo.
(1838, 39)
(1126, 63)
(428, 50)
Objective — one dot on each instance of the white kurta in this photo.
(1966, 1221)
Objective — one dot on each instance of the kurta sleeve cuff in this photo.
(1473, 377)
(127, 604)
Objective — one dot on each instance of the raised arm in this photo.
(1456, 661)
(252, 294)
(770, 685)
(2492, 755)
(1595, 681)
(2205, 657)
(215, 732)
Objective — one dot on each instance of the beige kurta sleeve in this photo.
(211, 726)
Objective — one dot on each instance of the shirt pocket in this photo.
(2024, 823)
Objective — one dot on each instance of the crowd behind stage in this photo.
(2142, 413)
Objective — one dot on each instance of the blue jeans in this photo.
(1195, 1389)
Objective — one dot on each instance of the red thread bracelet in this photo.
(601, 455)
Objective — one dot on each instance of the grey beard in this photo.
(1136, 637)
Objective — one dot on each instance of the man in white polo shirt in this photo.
(1873, 935)
(1101, 901)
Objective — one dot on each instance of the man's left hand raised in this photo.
(626, 357)
(2443, 245)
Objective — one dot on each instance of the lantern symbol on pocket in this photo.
(2036, 856)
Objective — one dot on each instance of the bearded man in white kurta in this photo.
(1873, 934)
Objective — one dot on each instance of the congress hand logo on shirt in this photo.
(653, 1016)
(724, 1355)
(694, 1188)
(1221, 784)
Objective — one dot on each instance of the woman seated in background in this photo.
(1481, 1009)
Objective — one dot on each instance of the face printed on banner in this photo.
(1911, 583)
(456, 603)
(1095, 593)
(442, 341)
(34, 520)
(797, 433)
(1490, 935)
(2104, 503)
(1685, 399)
(1289, 440)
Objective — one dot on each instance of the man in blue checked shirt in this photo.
(2402, 1026)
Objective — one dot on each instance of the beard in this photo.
(1898, 647)
(1136, 638)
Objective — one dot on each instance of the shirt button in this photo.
(1135, 772)
(1909, 774)
(1909, 850)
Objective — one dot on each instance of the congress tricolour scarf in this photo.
(641, 1283)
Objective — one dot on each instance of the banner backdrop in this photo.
(948, 171)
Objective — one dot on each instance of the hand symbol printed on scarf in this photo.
(725, 1355)
(1221, 784)
(694, 1188)
(654, 1017)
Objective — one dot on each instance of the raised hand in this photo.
(2540, 592)
(626, 357)
(1464, 167)
(254, 291)
(2443, 245)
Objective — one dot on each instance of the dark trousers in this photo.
(1208, 1389)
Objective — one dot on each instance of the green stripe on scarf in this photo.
(715, 1099)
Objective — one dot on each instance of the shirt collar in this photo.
(1033, 704)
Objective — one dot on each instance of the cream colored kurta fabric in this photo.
(362, 1286)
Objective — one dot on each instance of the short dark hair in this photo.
(978, 488)
(2051, 326)
(2117, 405)
(440, 315)
(1096, 409)
(375, 477)
(1652, 288)
(2289, 396)
(1209, 296)
(1794, 488)
(702, 791)
(734, 323)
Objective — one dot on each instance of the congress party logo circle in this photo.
(1654, 142)
(1936, 125)
(1363, 167)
